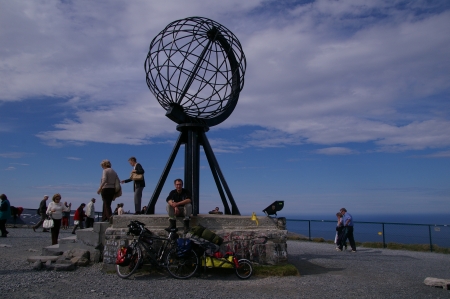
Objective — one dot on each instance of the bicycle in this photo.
(212, 258)
(132, 257)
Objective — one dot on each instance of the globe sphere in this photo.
(196, 67)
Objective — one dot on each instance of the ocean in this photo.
(398, 228)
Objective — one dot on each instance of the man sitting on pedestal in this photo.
(179, 204)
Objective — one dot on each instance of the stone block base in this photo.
(264, 243)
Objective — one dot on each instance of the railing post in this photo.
(431, 242)
(384, 240)
(309, 229)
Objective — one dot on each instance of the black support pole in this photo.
(192, 167)
(162, 179)
(193, 135)
(208, 150)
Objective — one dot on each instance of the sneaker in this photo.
(353, 250)
(338, 249)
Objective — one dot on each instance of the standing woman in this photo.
(65, 219)
(55, 210)
(107, 189)
(138, 185)
(5, 213)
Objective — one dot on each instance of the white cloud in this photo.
(325, 73)
(443, 154)
(13, 155)
(331, 151)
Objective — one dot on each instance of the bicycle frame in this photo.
(147, 249)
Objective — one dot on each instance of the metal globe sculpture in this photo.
(195, 69)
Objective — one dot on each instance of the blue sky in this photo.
(345, 103)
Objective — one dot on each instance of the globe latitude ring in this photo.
(195, 69)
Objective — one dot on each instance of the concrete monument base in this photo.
(263, 242)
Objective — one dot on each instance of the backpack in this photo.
(124, 256)
(183, 246)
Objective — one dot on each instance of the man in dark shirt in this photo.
(42, 212)
(179, 204)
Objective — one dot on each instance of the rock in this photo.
(77, 252)
(62, 261)
(37, 265)
(437, 282)
(48, 265)
(49, 252)
(82, 262)
(96, 256)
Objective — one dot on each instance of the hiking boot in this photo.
(186, 226)
(173, 224)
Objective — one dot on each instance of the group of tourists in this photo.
(179, 201)
(110, 182)
(59, 213)
(344, 230)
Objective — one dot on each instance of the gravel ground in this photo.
(325, 273)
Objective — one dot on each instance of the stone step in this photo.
(42, 258)
(437, 282)
(212, 222)
(68, 240)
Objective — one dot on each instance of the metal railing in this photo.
(382, 232)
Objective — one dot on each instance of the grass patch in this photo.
(276, 270)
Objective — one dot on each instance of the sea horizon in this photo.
(409, 218)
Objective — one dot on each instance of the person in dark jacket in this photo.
(5, 213)
(41, 212)
(78, 218)
(138, 185)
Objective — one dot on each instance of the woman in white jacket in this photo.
(55, 210)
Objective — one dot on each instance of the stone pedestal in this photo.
(263, 243)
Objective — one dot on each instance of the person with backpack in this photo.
(41, 211)
(138, 183)
(78, 218)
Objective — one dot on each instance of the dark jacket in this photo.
(42, 207)
(137, 184)
(177, 197)
(5, 210)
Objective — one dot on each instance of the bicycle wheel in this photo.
(136, 260)
(245, 269)
(182, 267)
